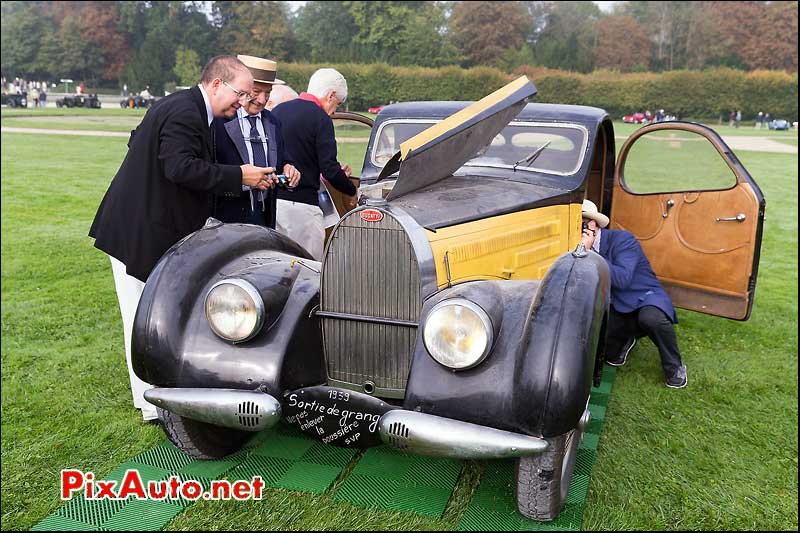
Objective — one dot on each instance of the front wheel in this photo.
(199, 439)
(543, 480)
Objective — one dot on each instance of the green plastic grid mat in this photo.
(383, 478)
(389, 479)
(282, 456)
(493, 506)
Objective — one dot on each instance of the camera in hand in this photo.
(585, 226)
(283, 181)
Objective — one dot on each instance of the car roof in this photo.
(531, 112)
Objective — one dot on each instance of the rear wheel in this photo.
(543, 480)
(198, 439)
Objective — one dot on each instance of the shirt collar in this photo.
(244, 114)
(209, 112)
(596, 243)
(311, 98)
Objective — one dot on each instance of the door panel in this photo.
(704, 239)
(352, 136)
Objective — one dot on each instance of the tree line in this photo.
(163, 44)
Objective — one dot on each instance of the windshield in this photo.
(564, 145)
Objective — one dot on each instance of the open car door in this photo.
(697, 213)
(352, 136)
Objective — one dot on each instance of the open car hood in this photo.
(440, 150)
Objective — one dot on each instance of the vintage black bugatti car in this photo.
(454, 313)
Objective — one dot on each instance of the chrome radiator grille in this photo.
(370, 272)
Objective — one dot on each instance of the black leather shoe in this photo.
(679, 379)
(623, 355)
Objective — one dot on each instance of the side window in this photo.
(351, 143)
(652, 163)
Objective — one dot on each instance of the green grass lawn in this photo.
(69, 112)
(621, 128)
(720, 454)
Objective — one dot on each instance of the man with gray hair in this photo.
(310, 140)
(280, 94)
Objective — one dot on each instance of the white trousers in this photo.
(129, 290)
(303, 224)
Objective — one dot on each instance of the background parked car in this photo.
(375, 109)
(636, 118)
(779, 124)
(79, 100)
(15, 100)
(136, 101)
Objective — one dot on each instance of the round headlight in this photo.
(458, 333)
(234, 309)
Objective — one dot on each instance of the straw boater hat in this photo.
(263, 70)
(589, 210)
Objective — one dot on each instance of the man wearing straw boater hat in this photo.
(253, 136)
(639, 305)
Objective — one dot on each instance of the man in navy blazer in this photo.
(639, 304)
(252, 135)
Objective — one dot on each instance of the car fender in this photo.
(537, 378)
(174, 346)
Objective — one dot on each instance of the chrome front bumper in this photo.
(424, 434)
(232, 408)
(408, 431)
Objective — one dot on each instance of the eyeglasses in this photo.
(241, 94)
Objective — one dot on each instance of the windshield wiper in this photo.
(531, 158)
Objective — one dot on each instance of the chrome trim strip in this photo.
(362, 318)
(425, 434)
(422, 248)
(379, 391)
(244, 410)
(586, 417)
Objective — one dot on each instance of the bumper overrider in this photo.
(408, 431)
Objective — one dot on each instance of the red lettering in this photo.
(157, 489)
(241, 490)
(106, 490)
(89, 486)
(71, 480)
(191, 490)
(132, 485)
(258, 484)
(174, 485)
(220, 486)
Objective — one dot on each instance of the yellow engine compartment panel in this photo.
(519, 245)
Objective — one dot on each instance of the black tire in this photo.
(543, 480)
(198, 439)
